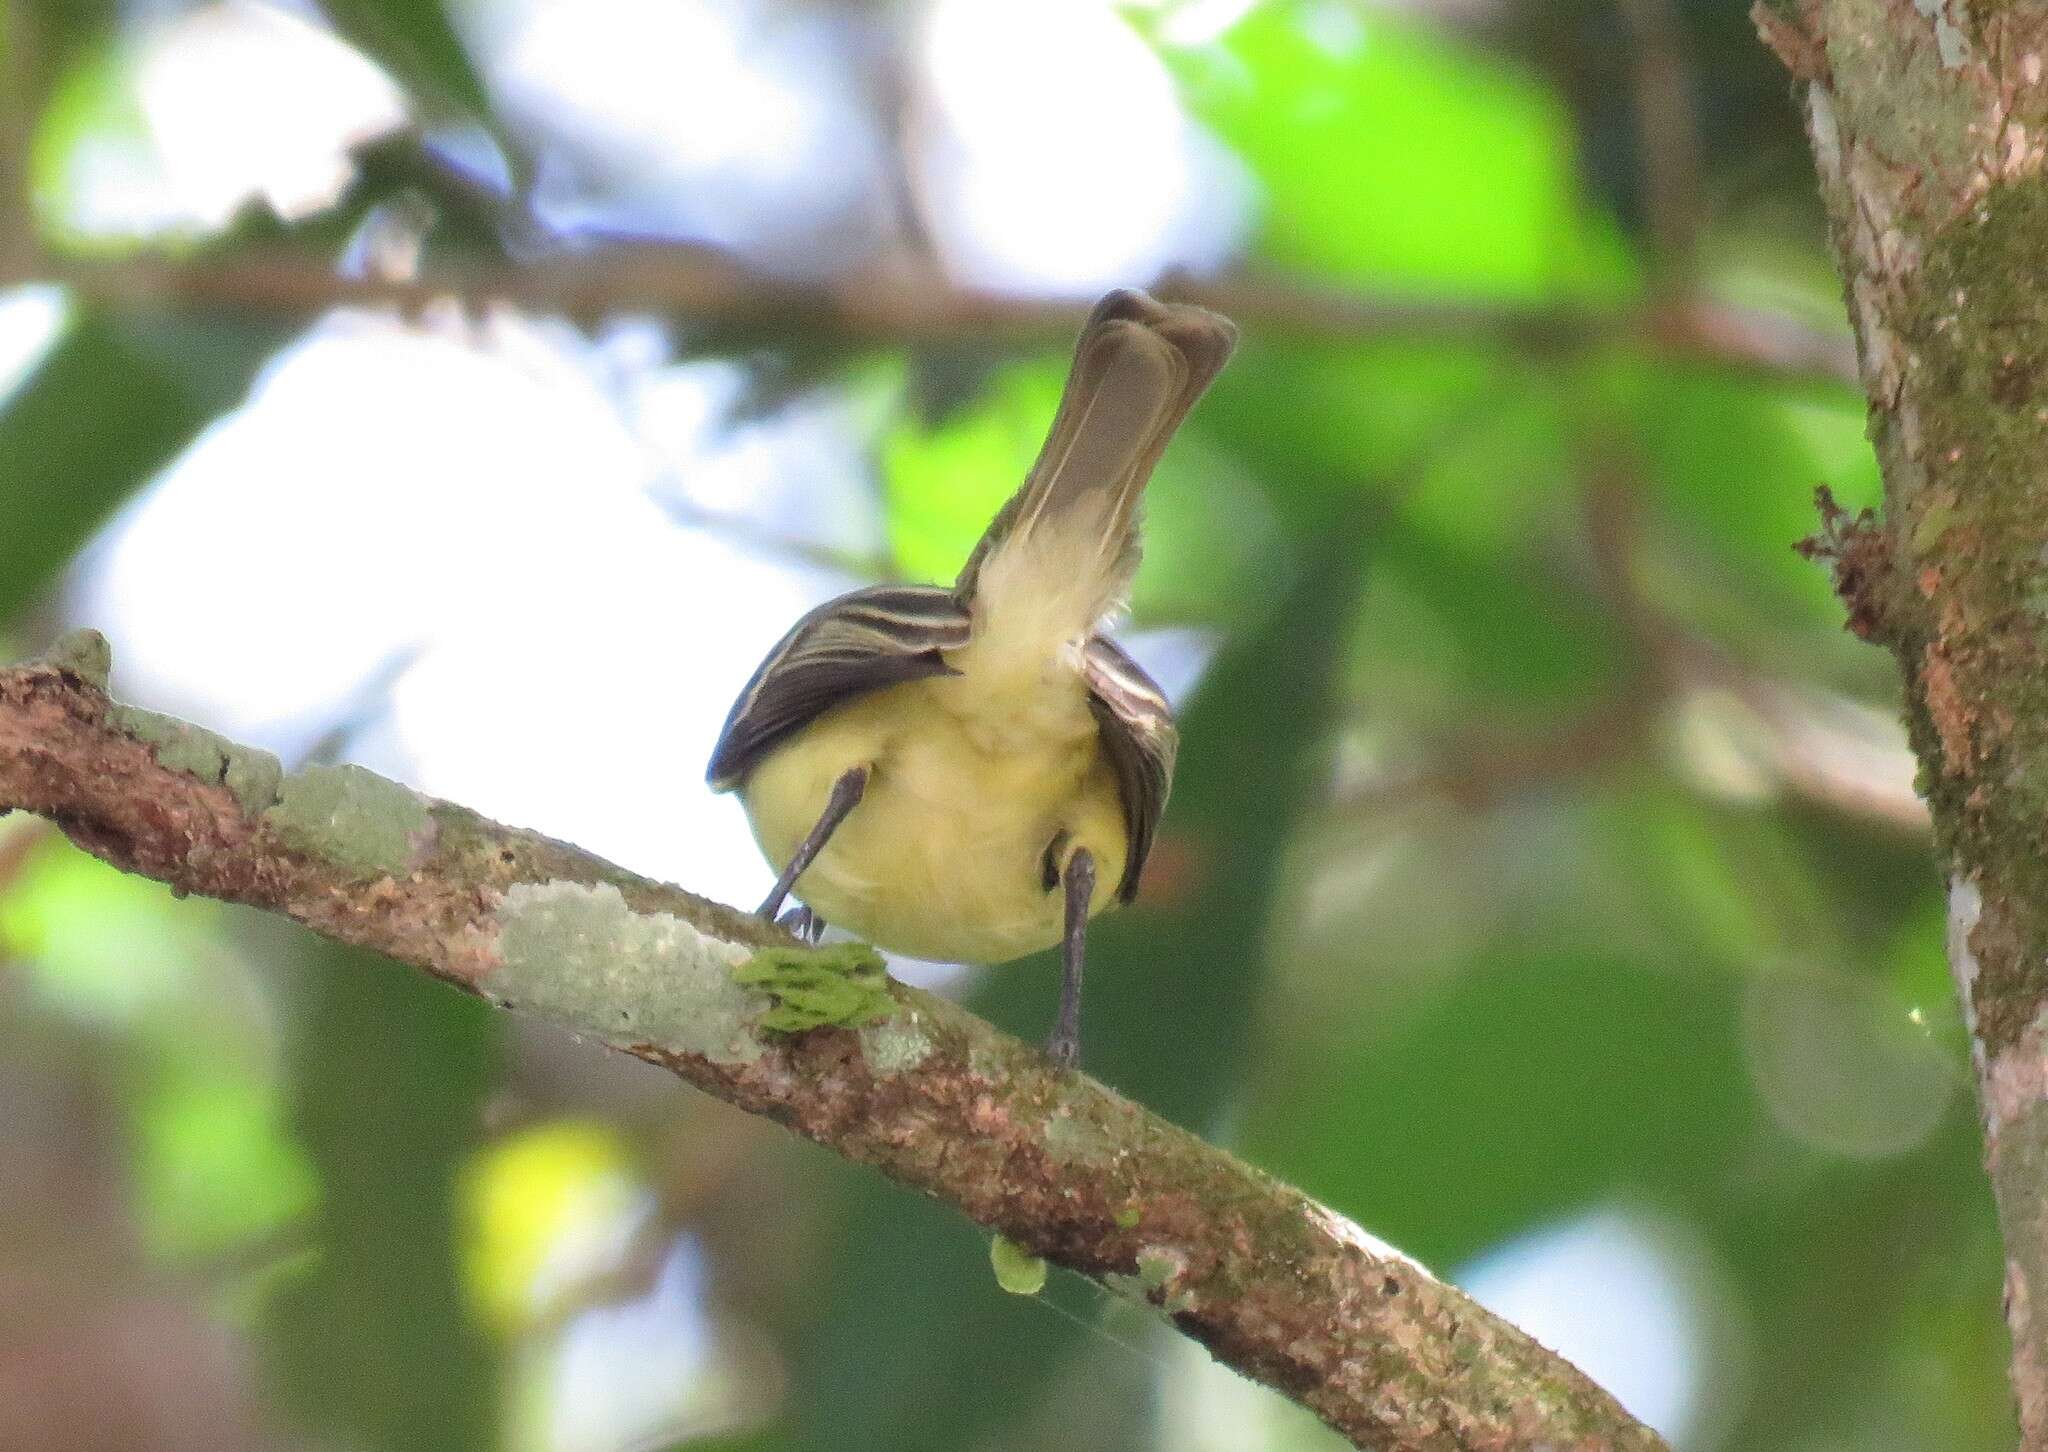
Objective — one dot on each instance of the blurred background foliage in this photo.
(474, 390)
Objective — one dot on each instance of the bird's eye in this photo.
(1049, 867)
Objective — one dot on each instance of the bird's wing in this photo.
(845, 648)
(1139, 735)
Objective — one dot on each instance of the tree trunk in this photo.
(1929, 125)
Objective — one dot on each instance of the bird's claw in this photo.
(802, 924)
(1064, 1049)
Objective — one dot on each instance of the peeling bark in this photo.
(1929, 126)
(1275, 1285)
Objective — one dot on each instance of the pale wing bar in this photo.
(1140, 739)
(842, 650)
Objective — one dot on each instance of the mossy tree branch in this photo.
(1272, 1283)
(1929, 126)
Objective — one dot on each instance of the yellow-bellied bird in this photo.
(970, 774)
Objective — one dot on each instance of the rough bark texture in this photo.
(1272, 1283)
(1929, 124)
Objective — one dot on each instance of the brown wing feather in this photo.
(1139, 735)
(842, 650)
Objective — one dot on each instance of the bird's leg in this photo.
(1065, 1043)
(846, 795)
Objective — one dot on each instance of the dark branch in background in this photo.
(911, 300)
(1668, 139)
(1272, 1283)
(730, 302)
(18, 89)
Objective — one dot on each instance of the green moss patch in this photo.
(845, 985)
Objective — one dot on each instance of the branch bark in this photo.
(1928, 120)
(1275, 1285)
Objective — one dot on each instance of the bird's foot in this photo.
(802, 924)
(1063, 1047)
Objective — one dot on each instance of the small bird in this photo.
(970, 774)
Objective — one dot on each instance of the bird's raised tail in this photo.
(1062, 552)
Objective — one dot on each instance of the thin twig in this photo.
(1667, 141)
(18, 88)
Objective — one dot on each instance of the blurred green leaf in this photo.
(1492, 487)
(1951, 1353)
(756, 1440)
(1389, 152)
(1734, 463)
(544, 1211)
(1919, 976)
(1519, 633)
(1513, 1097)
(414, 40)
(100, 944)
(1606, 1050)
(110, 404)
(52, 35)
(1393, 156)
(944, 481)
(1316, 423)
(372, 1342)
(1719, 883)
(214, 1167)
(94, 170)
(1843, 1263)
